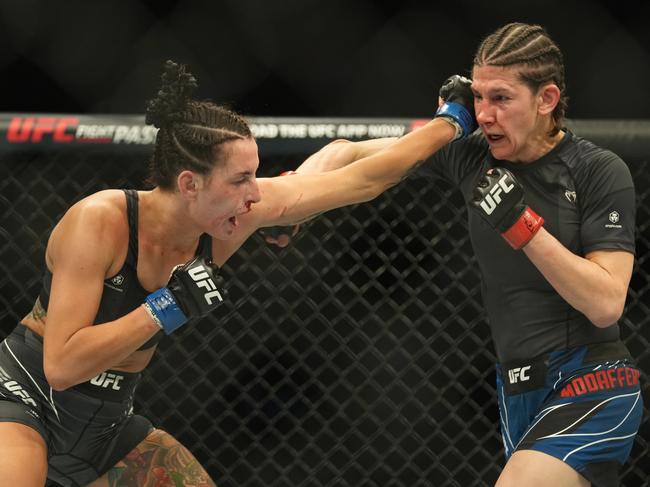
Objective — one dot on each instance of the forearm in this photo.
(340, 153)
(94, 349)
(393, 163)
(584, 284)
(293, 199)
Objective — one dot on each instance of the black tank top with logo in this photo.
(123, 292)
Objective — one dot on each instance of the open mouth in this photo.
(493, 138)
(233, 221)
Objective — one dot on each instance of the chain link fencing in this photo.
(358, 356)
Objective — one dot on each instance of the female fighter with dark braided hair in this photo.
(552, 220)
(113, 285)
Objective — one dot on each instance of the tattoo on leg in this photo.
(159, 461)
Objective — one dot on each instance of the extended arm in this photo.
(334, 155)
(293, 199)
(455, 106)
(287, 200)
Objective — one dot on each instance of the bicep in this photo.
(80, 254)
(74, 298)
(341, 152)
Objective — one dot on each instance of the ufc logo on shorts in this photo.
(519, 374)
(492, 199)
(106, 379)
(202, 279)
(16, 389)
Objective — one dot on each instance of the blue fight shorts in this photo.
(582, 406)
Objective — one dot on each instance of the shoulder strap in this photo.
(132, 215)
(205, 247)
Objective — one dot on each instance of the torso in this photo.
(140, 267)
(527, 317)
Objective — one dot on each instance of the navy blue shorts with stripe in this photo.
(582, 406)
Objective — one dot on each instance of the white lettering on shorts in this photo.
(16, 389)
(519, 374)
(106, 379)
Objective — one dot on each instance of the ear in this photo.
(548, 97)
(188, 184)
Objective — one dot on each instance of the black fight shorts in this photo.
(87, 428)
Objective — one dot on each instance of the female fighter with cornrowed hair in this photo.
(551, 218)
(124, 268)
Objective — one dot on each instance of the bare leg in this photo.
(535, 469)
(23, 456)
(159, 460)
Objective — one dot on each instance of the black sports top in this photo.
(585, 195)
(123, 292)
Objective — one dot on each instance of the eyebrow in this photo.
(491, 91)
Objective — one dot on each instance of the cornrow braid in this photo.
(539, 58)
(191, 133)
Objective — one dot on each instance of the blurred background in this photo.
(357, 58)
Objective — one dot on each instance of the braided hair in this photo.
(530, 48)
(191, 132)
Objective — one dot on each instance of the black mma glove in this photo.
(499, 199)
(458, 106)
(194, 289)
(272, 234)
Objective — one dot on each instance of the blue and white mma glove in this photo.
(458, 106)
(194, 290)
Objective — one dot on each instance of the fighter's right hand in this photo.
(194, 289)
(499, 200)
(458, 105)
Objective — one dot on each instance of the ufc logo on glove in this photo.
(499, 200)
(202, 279)
(493, 198)
(189, 293)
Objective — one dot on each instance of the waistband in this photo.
(528, 374)
(25, 336)
(110, 385)
(594, 353)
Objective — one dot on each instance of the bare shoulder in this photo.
(99, 209)
(97, 221)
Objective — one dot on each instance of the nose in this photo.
(483, 112)
(254, 195)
